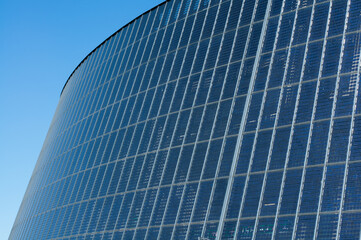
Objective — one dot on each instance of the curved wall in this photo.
(205, 119)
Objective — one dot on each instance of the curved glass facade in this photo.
(208, 119)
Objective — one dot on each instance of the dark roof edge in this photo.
(108, 39)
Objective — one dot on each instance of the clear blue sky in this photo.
(41, 42)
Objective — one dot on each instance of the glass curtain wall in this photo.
(208, 119)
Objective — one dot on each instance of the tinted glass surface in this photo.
(208, 119)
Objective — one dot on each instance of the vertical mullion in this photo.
(104, 74)
(190, 115)
(331, 128)
(81, 101)
(66, 224)
(90, 173)
(162, 135)
(275, 123)
(81, 84)
(123, 166)
(130, 116)
(168, 154)
(99, 62)
(203, 113)
(137, 151)
(276, 120)
(128, 80)
(85, 83)
(88, 131)
(95, 198)
(107, 165)
(116, 55)
(76, 93)
(213, 126)
(349, 140)
(177, 122)
(135, 41)
(134, 100)
(292, 129)
(92, 69)
(92, 72)
(120, 59)
(123, 116)
(312, 119)
(78, 75)
(88, 73)
(121, 55)
(70, 106)
(123, 169)
(70, 94)
(108, 73)
(260, 120)
(330, 134)
(147, 115)
(130, 69)
(140, 212)
(141, 134)
(56, 218)
(218, 164)
(244, 115)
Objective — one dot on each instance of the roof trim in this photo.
(108, 39)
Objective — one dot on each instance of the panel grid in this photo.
(208, 119)
(295, 46)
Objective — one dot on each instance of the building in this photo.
(208, 119)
